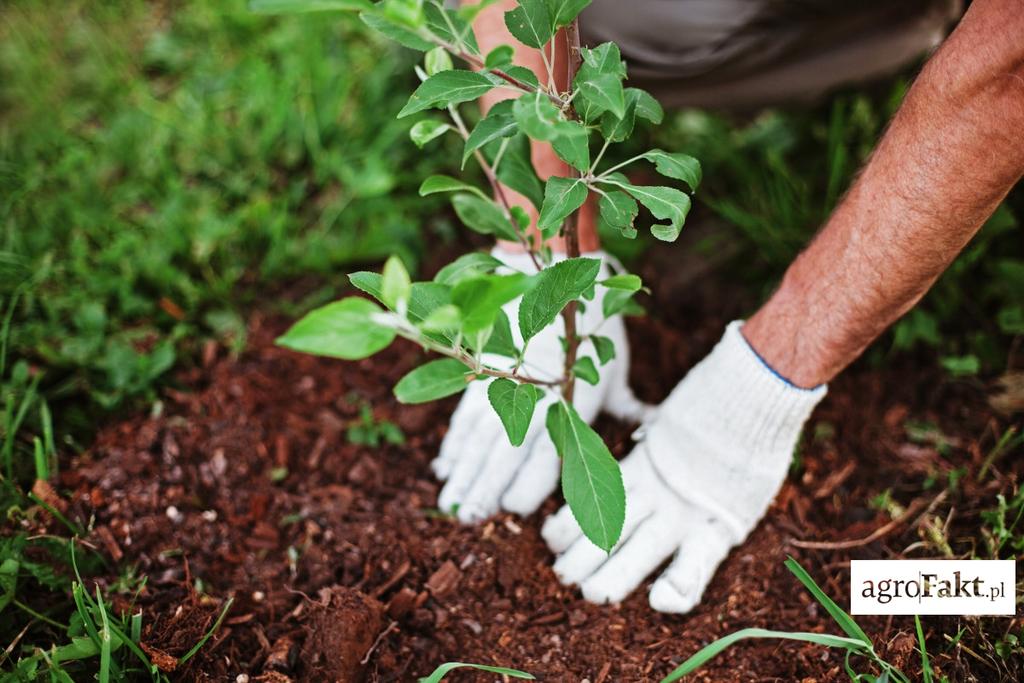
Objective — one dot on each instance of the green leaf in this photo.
(603, 92)
(619, 301)
(343, 329)
(564, 11)
(424, 131)
(469, 12)
(406, 12)
(679, 166)
(499, 123)
(617, 210)
(591, 479)
(517, 172)
(297, 6)
(514, 403)
(523, 75)
(433, 380)
(442, 670)
(585, 370)
(467, 265)
(617, 129)
(440, 22)
(499, 57)
(396, 32)
(445, 88)
(556, 286)
(647, 107)
(500, 341)
(443, 183)
(605, 348)
(605, 59)
(481, 298)
(562, 196)
(573, 146)
(530, 23)
(666, 203)
(438, 60)
(539, 118)
(520, 216)
(598, 84)
(424, 297)
(626, 281)
(395, 284)
(483, 216)
(445, 320)
(708, 652)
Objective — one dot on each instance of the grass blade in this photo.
(213, 629)
(442, 670)
(42, 467)
(844, 620)
(710, 651)
(104, 675)
(926, 666)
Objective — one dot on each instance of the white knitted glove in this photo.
(708, 466)
(484, 472)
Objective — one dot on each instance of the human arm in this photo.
(952, 152)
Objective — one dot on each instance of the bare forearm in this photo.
(952, 152)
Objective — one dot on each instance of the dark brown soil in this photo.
(245, 485)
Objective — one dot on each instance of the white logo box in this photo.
(936, 587)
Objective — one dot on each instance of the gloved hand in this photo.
(708, 466)
(485, 473)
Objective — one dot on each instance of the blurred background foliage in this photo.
(162, 163)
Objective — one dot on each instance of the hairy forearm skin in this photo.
(952, 152)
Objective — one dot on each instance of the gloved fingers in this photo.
(681, 587)
(536, 479)
(561, 530)
(468, 465)
(651, 544)
(498, 470)
(465, 420)
(583, 558)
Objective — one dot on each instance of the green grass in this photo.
(159, 169)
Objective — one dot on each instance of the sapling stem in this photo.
(571, 227)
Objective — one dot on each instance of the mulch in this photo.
(245, 485)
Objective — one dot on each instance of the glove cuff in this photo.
(736, 395)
